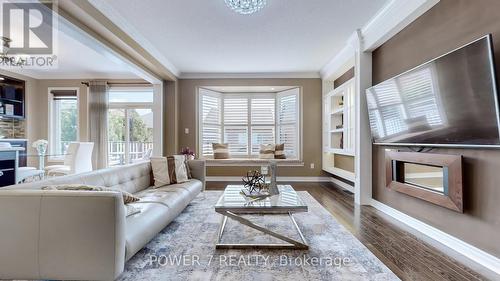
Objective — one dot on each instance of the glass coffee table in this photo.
(232, 204)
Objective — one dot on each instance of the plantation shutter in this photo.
(263, 120)
(236, 125)
(210, 104)
(288, 122)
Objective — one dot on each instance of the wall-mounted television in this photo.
(449, 101)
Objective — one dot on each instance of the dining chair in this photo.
(78, 159)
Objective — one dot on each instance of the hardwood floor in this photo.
(399, 248)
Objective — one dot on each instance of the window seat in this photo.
(252, 162)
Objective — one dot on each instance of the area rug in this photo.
(185, 249)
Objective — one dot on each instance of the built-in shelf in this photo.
(342, 152)
(12, 97)
(338, 111)
(335, 93)
(11, 100)
(341, 173)
(338, 143)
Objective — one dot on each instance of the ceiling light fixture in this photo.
(245, 7)
(5, 42)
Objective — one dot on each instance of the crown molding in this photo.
(91, 20)
(343, 60)
(123, 24)
(390, 20)
(256, 75)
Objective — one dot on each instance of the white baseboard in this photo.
(342, 184)
(279, 179)
(477, 255)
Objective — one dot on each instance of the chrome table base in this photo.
(289, 242)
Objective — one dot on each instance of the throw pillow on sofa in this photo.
(266, 151)
(127, 197)
(221, 150)
(279, 151)
(169, 170)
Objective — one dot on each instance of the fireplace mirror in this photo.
(425, 176)
(436, 178)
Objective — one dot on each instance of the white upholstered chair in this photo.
(78, 159)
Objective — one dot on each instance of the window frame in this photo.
(50, 128)
(249, 125)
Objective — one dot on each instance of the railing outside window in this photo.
(116, 151)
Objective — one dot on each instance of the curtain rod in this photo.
(121, 83)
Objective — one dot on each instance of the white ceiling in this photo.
(76, 60)
(200, 36)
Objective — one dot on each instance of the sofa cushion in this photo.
(131, 178)
(169, 170)
(158, 207)
(177, 167)
(187, 190)
(140, 228)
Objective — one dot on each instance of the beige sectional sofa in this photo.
(86, 235)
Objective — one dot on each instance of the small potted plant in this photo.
(188, 153)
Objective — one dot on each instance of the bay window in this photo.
(245, 121)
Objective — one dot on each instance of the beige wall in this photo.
(43, 102)
(312, 137)
(170, 117)
(449, 24)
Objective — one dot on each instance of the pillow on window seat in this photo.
(221, 150)
(279, 151)
(266, 151)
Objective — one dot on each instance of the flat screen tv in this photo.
(449, 101)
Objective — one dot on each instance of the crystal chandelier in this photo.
(245, 7)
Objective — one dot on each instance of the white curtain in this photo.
(98, 122)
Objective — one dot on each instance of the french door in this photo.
(130, 133)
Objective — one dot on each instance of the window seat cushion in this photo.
(252, 162)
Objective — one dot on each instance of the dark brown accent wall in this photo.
(348, 75)
(448, 25)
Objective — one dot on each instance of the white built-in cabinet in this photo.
(339, 129)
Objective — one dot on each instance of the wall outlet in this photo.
(312, 165)
(263, 170)
(186, 131)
